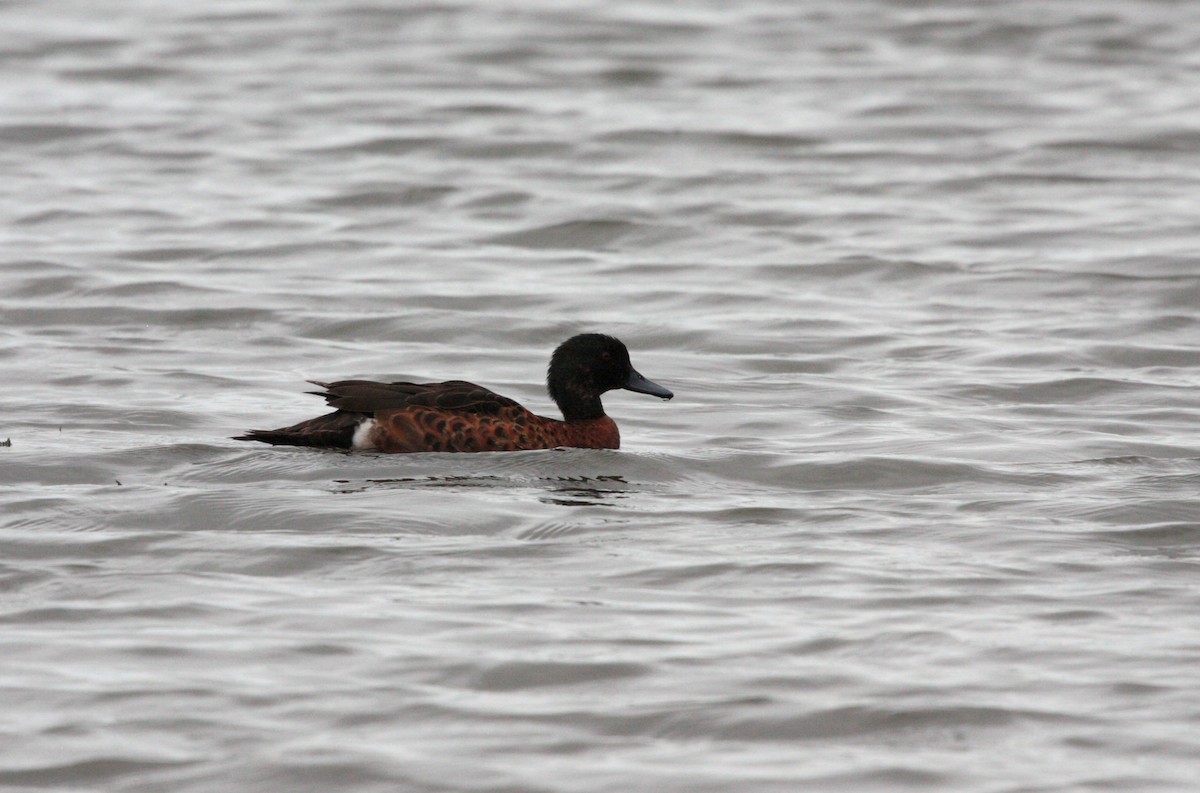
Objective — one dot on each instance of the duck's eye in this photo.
(606, 356)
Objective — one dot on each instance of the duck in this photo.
(457, 416)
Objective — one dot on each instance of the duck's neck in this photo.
(578, 404)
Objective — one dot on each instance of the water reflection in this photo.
(569, 491)
(576, 491)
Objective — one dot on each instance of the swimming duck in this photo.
(457, 416)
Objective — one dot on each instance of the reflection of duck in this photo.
(457, 416)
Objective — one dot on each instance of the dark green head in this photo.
(584, 367)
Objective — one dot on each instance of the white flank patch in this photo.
(361, 440)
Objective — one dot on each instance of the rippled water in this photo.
(922, 516)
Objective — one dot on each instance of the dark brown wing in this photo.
(454, 402)
(367, 397)
(331, 431)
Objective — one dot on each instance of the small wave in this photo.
(519, 675)
(766, 142)
(36, 134)
(134, 73)
(1054, 391)
(597, 234)
(387, 197)
(84, 773)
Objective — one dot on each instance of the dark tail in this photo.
(333, 431)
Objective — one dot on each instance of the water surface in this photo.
(922, 515)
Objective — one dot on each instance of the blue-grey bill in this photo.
(643, 386)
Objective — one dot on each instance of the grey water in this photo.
(923, 514)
